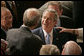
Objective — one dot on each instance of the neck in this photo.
(48, 30)
(32, 27)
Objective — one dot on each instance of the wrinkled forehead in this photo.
(54, 7)
(48, 12)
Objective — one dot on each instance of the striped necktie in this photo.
(48, 39)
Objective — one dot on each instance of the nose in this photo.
(46, 20)
(11, 19)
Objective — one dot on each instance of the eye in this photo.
(44, 17)
(8, 17)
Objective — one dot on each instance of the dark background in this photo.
(23, 5)
(78, 13)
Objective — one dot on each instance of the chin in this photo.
(45, 26)
(10, 26)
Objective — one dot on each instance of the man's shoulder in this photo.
(36, 30)
(63, 33)
(37, 39)
(65, 17)
(56, 30)
(66, 22)
(36, 36)
(14, 30)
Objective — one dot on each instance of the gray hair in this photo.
(53, 11)
(49, 50)
(55, 3)
(29, 19)
(72, 48)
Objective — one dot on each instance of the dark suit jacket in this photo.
(66, 22)
(59, 39)
(23, 42)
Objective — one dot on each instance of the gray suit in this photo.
(23, 42)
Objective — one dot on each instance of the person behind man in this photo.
(49, 50)
(48, 33)
(3, 4)
(63, 21)
(11, 5)
(67, 7)
(6, 21)
(22, 41)
(71, 48)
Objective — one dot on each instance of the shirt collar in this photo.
(24, 25)
(58, 23)
(45, 33)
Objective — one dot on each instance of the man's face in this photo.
(48, 21)
(6, 19)
(55, 7)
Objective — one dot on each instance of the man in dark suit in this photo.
(64, 20)
(49, 20)
(22, 41)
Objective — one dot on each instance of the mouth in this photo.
(45, 24)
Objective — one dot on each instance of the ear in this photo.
(61, 11)
(55, 22)
(63, 52)
(3, 20)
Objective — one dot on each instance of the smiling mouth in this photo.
(45, 24)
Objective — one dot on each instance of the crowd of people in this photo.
(47, 30)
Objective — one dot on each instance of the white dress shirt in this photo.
(58, 23)
(51, 35)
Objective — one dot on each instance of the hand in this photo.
(65, 30)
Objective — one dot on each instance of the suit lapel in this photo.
(42, 34)
(55, 36)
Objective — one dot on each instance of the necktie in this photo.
(48, 39)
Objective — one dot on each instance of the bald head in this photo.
(31, 17)
(4, 10)
(71, 48)
(49, 50)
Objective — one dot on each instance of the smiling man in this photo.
(48, 33)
